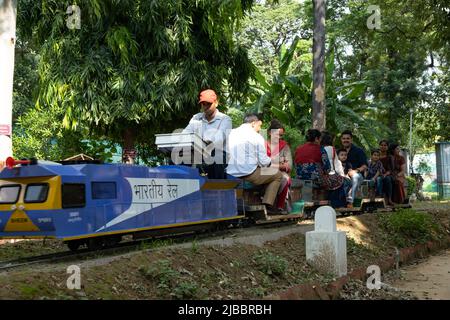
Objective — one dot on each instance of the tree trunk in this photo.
(8, 9)
(318, 94)
(128, 151)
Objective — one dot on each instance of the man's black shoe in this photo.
(275, 211)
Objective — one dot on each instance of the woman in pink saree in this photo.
(280, 153)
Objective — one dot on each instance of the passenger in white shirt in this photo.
(213, 126)
(249, 160)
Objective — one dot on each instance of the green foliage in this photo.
(347, 109)
(138, 66)
(186, 290)
(294, 137)
(431, 187)
(37, 133)
(398, 64)
(195, 247)
(134, 66)
(25, 79)
(271, 264)
(155, 244)
(170, 282)
(28, 291)
(287, 96)
(236, 115)
(162, 272)
(407, 227)
(99, 149)
(268, 29)
(411, 185)
(40, 134)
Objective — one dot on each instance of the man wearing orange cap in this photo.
(213, 126)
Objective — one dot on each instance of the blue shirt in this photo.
(356, 157)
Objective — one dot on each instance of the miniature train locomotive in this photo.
(95, 204)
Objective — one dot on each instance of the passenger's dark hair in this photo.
(326, 139)
(391, 148)
(341, 150)
(251, 117)
(312, 134)
(275, 124)
(385, 141)
(375, 151)
(347, 132)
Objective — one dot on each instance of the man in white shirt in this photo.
(213, 126)
(249, 160)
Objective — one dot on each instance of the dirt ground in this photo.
(239, 271)
(429, 279)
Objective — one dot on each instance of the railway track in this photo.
(127, 246)
(146, 243)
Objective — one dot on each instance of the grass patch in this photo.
(195, 246)
(270, 264)
(186, 290)
(408, 227)
(155, 244)
(28, 291)
(170, 282)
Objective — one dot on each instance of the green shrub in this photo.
(294, 137)
(236, 115)
(411, 185)
(407, 227)
(423, 167)
(186, 290)
(170, 282)
(271, 264)
(162, 272)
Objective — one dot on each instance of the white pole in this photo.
(8, 11)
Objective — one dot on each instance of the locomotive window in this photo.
(9, 193)
(104, 190)
(36, 193)
(73, 195)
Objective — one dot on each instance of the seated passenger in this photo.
(280, 153)
(346, 166)
(398, 172)
(357, 158)
(335, 184)
(327, 141)
(388, 179)
(249, 160)
(375, 172)
(311, 158)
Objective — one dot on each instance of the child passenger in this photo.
(375, 172)
(342, 155)
(347, 166)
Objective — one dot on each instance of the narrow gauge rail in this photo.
(95, 205)
(130, 246)
(136, 245)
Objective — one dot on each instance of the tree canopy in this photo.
(134, 67)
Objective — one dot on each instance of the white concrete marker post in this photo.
(326, 248)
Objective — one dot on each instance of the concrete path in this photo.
(429, 279)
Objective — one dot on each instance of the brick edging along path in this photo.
(314, 291)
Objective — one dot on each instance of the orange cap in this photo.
(208, 96)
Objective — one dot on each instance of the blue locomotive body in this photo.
(81, 201)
